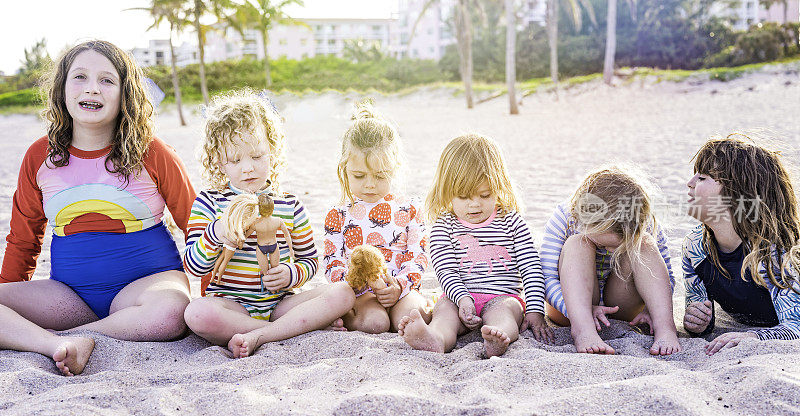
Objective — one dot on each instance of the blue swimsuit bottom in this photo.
(98, 265)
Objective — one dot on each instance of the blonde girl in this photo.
(745, 254)
(482, 252)
(102, 182)
(604, 254)
(252, 303)
(369, 212)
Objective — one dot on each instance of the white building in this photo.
(157, 53)
(431, 35)
(328, 36)
(744, 13)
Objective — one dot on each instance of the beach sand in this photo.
(549, 147)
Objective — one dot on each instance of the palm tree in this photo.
(611, 37)
(172, 11)
(199, 9)
(552, 28)
(511, 62)
(463, 26)
(261, 15)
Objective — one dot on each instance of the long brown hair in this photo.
(134, 128)
(752, 173)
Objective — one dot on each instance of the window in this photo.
(331, 41)
(304, 42)
(282, 41)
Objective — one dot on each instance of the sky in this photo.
(66, 22)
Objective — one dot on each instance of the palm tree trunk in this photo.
(611, 41)
(175, 85)
(552, 36)
(511, 64)
(201, 50)
(785, 11)
(264, 40)
(464, 43)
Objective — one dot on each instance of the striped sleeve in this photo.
(445, 263)
(202, 244)
(555, 234)
(664, 250)
(305, 263)
(529, 266)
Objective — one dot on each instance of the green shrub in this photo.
(26, 97)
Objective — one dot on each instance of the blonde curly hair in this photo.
(228, 117)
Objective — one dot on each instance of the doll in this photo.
(246, 214)
(367, 267)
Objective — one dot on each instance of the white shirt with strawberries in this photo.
(392, 225)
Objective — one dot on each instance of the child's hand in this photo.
(389, 295)
(277, 278)
(599, 314)
(535, 321)
(643, 318)
(467, 313)
(698, 316)
(727, 340)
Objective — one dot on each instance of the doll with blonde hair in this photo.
(369, 212)
(483, 254)
(250, 301)
(745, 254)
(605, 254)
(246, 215)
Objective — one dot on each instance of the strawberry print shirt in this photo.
(392, 225)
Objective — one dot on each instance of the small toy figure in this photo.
(367, 267)
(247, 214)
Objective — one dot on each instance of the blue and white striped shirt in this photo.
(562, 225)
(497, 256)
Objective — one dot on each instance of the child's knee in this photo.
(374, 321)
(201, 317)
(578, 243)
(341, 294)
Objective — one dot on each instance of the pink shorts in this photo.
(481, 299)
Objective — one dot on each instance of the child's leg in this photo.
(26, 308)
(576, 268)
(218, 319)
(650, 287)
(148, 309)
(403, 307)
(501, 319)
(440, 335)
(295, 315)
(367, 316)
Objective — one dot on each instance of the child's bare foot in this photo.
(666, 344)
(337, 325)
(495, 341)
(591, 343)
(73, 354)
(242, 345)
(418, 335)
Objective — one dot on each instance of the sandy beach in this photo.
(549, 147)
